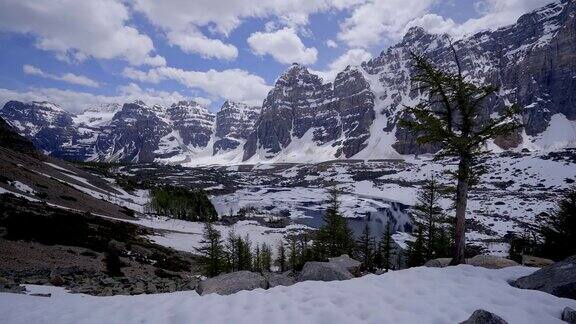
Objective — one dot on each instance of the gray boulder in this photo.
(231, 283)
(532, 261)
(323, 271)
(438, 263)
(279, 279)
(491, 262)
(558, 279)
(346, 262)
(481, 316)
(569, 315)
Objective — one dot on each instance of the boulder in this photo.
(558, 279)
(231, 283)
(279, 279)
(438, 263)
(323, 271)
(532, 261)
(491, 262)
(9, 286)
(346, 262)
(481, 316)
(569, 315)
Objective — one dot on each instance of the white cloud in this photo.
(68, 77)
(283, 45)
(434, 24)
(77, 102)
(497, 13)
(331, 43)
(76, 30)
(380, 20)
(195, 42)
(180, 19)
(234, 84)
(352, 57)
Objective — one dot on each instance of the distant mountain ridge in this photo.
(304, 119)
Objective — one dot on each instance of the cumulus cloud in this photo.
(377, 21)
(283, 45)
(234, 84)
(331, 43)
(76, 30)
(67, 77)
(352, 57)
(497, 13)
(178, 19)
(193, 41)
(76, 102)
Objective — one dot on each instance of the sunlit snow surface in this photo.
(417, 295)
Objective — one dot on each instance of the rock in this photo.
(438, 263)
(558, 279)
(323, 271)
(231, 283)
(57, 281)
(346, 262)
(279, 279)
(10, 286)
(532, 261)
(569, 315)
(481, 316)
(491, 262)
(42, 295)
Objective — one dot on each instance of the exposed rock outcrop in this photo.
(558, 279)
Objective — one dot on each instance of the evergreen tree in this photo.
(427, 214)
(442, 243)
(265, 258)
(232, 251)
(386, 244)
(244, 247)
(211, 251)
(365, 248)
(379, 256)
(282, 257)
(293, 255)
(416, 250)
(558, 229)
(452, 117)
(334, 238)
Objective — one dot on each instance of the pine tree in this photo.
(211, 251)
(558, 229)
(427, 214)
(379, 256)
(265, 258)
(334, 238)
(365, 248)
(282, 256)
(416, 250)
(293, 257)
(386, 244)
(452, 117)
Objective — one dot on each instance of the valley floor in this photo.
(416, 295)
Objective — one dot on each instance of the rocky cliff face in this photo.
(234, 123)
(46, 124)
(338, 114)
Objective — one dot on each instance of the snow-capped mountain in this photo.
(304, 119)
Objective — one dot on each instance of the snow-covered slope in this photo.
(417, 295)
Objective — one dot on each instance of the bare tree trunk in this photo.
(458, 256)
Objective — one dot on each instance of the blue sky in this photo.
(80, 54)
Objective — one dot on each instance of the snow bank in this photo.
(417, 295)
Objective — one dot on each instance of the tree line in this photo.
(334, 238)
(182, 203)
